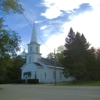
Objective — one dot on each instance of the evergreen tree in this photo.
(75, 55)
(69, 40)
(97, 72)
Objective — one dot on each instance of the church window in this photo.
(45, 75)
(30, 49)
(37, 49)
(30, 59)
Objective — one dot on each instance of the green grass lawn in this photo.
(95, 83)
(1, 88)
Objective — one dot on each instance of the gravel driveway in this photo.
(47, 92)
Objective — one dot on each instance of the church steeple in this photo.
(33, 37)
(33, 48)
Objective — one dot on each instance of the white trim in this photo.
(54, 67)
(23, 66)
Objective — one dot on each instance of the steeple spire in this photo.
(34, 38)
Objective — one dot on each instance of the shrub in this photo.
(33, 81)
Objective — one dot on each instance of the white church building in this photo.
(40, 68)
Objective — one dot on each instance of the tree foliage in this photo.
(10, 6)
(50, 55)
(60, 49)
(98, 64)
(58, 54)
(9, 44)
(79, 59)
(14, 72)
(9, 40)
(69, 40)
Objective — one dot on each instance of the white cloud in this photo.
(38, 21)
(52, 12)
(62, 4)
(53, 42)
(86, 23)
(43, 27)
(54, 7)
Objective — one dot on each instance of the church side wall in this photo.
(45, 73)
(41, 75)
(59, 76)
(52, 75)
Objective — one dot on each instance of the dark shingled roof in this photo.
(50, 62)
(38, 64)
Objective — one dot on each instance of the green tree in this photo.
(75, 56)
(70, 39)
(9, 44)
(50, 56)
(91, 64)
(9, 40)
(10, 6)
(4, 64)
(14, 72)
(98, 65)
(60, 49)
(58, 54)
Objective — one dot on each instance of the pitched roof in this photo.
(33, 37)
(50, 62)
(38, 64)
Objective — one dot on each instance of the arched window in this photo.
(45, 75)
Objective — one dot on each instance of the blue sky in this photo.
(53, 20)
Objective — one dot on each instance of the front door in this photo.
(26, 77)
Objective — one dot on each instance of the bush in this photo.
(33, 81)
